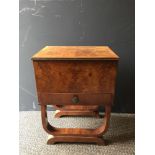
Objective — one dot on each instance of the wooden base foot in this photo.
(76, 110)
(74, 139)
(59, 113)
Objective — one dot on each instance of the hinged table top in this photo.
(75, 52)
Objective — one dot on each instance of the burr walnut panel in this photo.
(66, 76)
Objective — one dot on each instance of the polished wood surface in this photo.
(76, 107)
(76, 110)
(75, 52)
(72, 139)
(83, 98)
(61, 113)
(63, 76)
(73, 79)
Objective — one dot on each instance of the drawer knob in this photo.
(75, 99)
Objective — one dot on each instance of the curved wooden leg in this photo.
(75, 134)
(79, 110)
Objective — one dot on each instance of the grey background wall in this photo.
(77, 22)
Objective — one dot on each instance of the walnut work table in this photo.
(76, 80)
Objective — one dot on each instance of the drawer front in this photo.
(75, 98)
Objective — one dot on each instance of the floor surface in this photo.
(33, 138)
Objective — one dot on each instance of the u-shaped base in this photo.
(75, 134)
